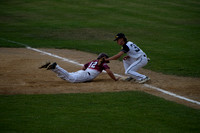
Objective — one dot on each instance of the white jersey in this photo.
(132, 50)
(137, 60)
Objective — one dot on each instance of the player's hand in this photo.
(126, 57)
(117, 79)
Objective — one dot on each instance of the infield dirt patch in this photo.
(19, 74)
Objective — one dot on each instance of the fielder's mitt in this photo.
(102, 60)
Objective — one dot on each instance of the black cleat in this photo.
(128, 79)
(144, 80)
(52, 66)
(45, 65)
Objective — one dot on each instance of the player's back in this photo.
(94, 65)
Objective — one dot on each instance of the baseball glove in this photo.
(101, 60)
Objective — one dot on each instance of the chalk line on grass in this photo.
(118, 75)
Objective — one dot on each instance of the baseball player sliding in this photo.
(89, 71)
(134, 59)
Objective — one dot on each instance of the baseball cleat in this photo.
(52, 66)
(128, 79)
(45, 65)
(144, 80)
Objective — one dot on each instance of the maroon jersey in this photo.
(94, 65)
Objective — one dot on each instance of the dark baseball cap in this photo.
(119, 35)
(101, 55)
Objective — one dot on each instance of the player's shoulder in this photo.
(129, 43)
(104, 64)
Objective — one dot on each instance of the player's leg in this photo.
(79, 76)
(82, 76)
(61, 73)
(127, 64)
(74, 77)
(141, 62)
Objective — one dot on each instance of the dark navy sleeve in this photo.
(125, 48)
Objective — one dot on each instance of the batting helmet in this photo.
(101, 55)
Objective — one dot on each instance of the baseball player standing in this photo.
(89, 71)
(134, 60)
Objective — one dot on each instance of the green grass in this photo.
(168, 31)
(96, 112)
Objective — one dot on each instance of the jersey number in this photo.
(93, 64)
(136, 48)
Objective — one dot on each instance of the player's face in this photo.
(120, 41)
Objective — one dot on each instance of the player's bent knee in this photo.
(127, 72)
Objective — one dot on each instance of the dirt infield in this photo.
(19, 74)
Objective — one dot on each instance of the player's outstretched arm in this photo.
(115, 57)
(109, 72)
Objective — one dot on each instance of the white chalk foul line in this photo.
(172, 94)
(118, 75)
(56, 56)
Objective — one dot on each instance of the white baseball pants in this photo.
(79, 76)
(132, 65)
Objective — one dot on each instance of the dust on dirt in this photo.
(19, 74)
